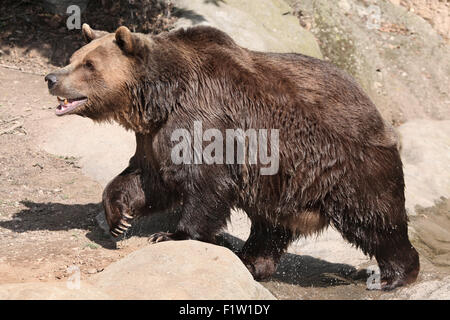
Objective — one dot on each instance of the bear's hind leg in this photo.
(263, 249)
(396, 257)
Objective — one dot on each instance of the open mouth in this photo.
(68, 105)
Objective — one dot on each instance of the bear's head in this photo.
(138, 80)
(97, 82)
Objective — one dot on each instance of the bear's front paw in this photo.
(160, 237)
(167, 236)
(122, 225)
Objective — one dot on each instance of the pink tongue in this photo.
(66, 106)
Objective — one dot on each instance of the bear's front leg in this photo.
(123, 200)
(203, 215)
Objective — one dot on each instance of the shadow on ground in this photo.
(53, 217)
(304, 271)
(60, 217)
(90, 217)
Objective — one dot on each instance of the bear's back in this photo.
(202, 36)
(303, 84)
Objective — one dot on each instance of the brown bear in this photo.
(338, 163)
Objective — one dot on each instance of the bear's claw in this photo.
(127, 216)
(160, 237)
(123, 225)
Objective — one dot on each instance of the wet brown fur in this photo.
(339, 163)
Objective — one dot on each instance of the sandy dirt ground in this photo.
(47, 206)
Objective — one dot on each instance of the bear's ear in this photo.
(90, 34)
(124, 39)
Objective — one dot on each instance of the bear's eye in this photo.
(88, 64)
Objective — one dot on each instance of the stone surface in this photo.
(430, 234)
(426, 162)
(388, 49)
(168, 270)
(180, 270)
(103, 149)
(50, 291)
(436, 13)
(427, 290)
(262, 25)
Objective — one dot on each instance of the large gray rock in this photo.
(180, 270)
(430, 234)
(103, 150)
(426, 162)
(262, 25)
(437, 13)
(397, 56)
(169, 270)
(426, 290)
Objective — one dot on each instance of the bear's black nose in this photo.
(51, 80)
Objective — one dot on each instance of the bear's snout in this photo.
(51, 80)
